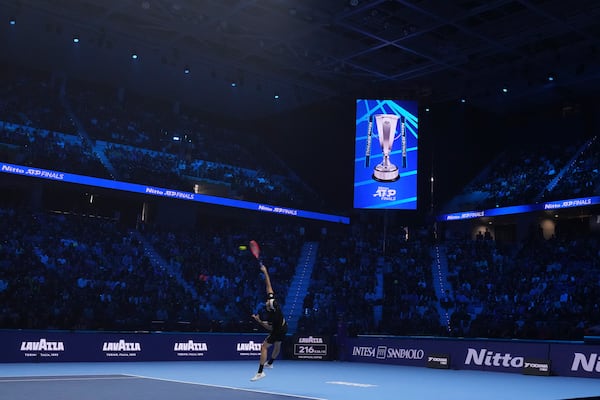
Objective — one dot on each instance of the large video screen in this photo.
(386, 154)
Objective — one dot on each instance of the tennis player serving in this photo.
(275, 324)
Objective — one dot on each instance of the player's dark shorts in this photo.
(277, 336)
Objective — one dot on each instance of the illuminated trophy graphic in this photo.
(386, 124)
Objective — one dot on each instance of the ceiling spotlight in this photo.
(550, 78)
(186, 70)
(134, 56)
(75, 39)
(504, 90)
(233, 84)
(12, 21)
(276, 96)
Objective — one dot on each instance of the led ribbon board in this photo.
(494, 212)
(162, 192)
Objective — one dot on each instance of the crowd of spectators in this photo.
(61, 271)
(96, 130)
(581, 178)
(39, 148)
(518, 176)
(67, 271)
(371, 283)
(531, 173)
(536, 289)
(31, 98)
(224, 277)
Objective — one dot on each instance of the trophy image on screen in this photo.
(386, 124)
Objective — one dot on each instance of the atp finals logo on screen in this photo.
(385, 162)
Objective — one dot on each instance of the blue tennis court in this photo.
(291, 380)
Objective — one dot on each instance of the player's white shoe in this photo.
(259, 375)
(267, 365)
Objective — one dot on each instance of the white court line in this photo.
(227, 387)
(351, 384)
(58, 378)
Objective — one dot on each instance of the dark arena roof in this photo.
(310, 51)
(291, 70)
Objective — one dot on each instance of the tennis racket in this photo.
(255, 250)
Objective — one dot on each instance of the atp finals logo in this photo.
(121, 349)
(42, 348)
(385, 193)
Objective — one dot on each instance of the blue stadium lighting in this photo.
(550, 78)
(75, 39)
(276, 96)
(233, 84)
(134, 56)
(12, 21)
(186, 70)
(463, 100)
(504, 90)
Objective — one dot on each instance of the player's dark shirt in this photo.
(276, 319)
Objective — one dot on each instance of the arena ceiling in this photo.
(310, 51)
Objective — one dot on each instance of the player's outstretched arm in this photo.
(269, 288)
